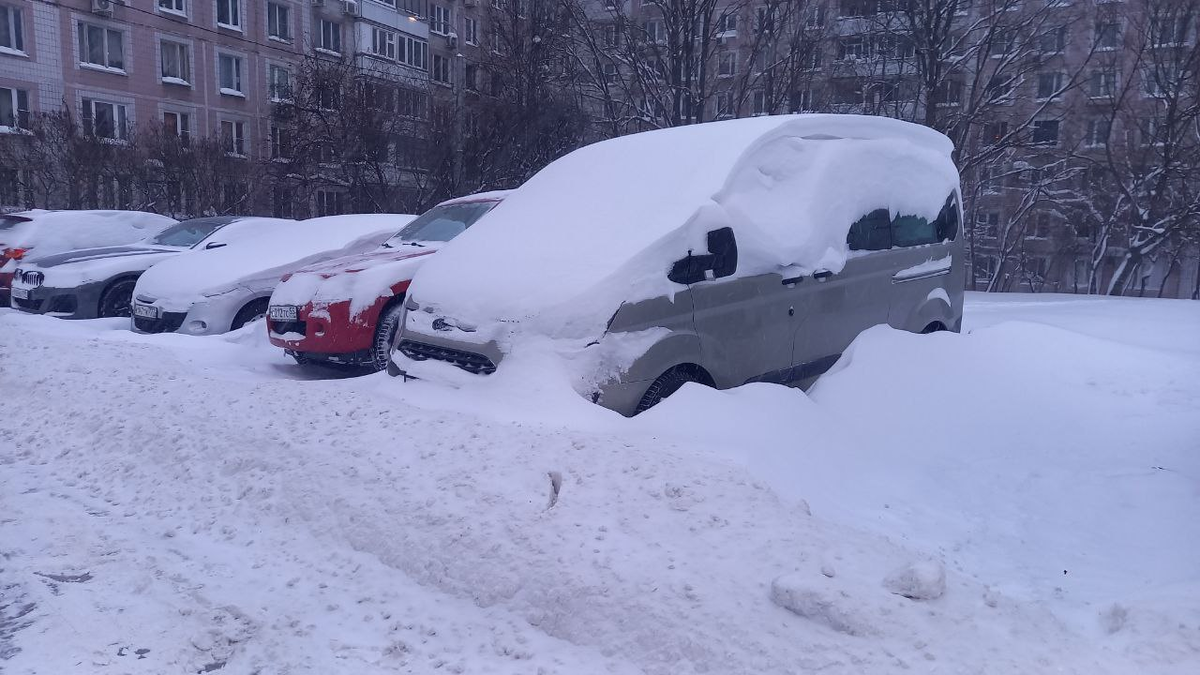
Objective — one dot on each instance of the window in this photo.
(725, 105)
(383, 43)
(441, 69)
(279, 21)
(100, 46)
(853, 48)
(914, 231)
(414, 52)
(281, 202)
(175, 65)
(727, 25)
(949, 92)
(229, 14)
(854, 8)
(727, 64)
(987, 223)
(815, 17)
(612, 36)
(1053, 41)
(412, 103)
(1049, 84)
(984, 267)
(611, 73)
(1160, 79)
(233, 197)
(280, 142)
(654, 32)
(1168, 29)
(1000, 88)
(11, 33)
(1102, 84)
(230, 73)
(173, 6)
(105, 120)
(758, 102)
(471, 77)
(439, 20)
(233, 137)
(280, 82)
(764, 20)
(872, 232)
(803, 100)
(14, 108)
(1043, 225)
(497, 43)
(1003, 41)
(1151, 130)
(329, 203)
(10, 187)
(995, 132)
(331, 36)
(179, 125)
(470, 31)
(1108, 35)
(1045, 131)
(1098, 131)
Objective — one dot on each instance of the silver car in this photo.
(734, 310)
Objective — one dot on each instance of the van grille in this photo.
(468, 361)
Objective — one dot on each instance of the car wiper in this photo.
(387, 245)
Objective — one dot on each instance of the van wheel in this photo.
(253, 311)
(935, 327)
(385, 334)
(669, 382)
(116, 299)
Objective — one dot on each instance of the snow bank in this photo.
(56, 231)
(273, 249)
(603, 224)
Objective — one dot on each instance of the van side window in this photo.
(872, 232)
(947, 221)
(913, 231)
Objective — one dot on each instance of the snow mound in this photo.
(922, 580)
(832, 609)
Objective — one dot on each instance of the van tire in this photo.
(385, 334)
(116, 299)
(252, 311)
(669, 382)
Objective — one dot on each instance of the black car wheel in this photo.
(116, 299)
(669, 382)
(253, 311)
(385, 334)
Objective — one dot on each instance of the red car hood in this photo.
(364, 261)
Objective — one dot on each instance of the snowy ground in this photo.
(178, 505)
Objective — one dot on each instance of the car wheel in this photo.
(385, 334)
(669, 382)
(935, 327)
(115, 300)
(253, 311)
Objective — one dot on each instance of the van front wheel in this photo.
(668, 383)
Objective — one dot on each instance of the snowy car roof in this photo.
(608, 218)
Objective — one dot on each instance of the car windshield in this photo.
(9, 222)
(187, 233)
(441, 223)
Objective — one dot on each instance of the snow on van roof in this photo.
(602, 224)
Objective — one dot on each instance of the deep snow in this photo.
(1034, 483)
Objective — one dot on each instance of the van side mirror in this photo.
(721, 260)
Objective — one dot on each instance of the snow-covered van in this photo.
(29, 235)
(345, 311)
(207, 291)
(722, 253)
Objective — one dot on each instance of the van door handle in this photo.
(793, 280)
(822, 275)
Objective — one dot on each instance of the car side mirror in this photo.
(214, 244)
(721, 260)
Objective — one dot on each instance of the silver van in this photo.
(723, 297)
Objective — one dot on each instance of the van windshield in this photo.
(441, 223)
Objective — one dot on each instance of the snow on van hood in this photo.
(262, 257)
(602, 225)
(50, 232)
(359, 279)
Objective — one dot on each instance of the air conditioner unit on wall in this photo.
(351, 7)
(104, 7)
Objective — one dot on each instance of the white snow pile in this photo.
(275, 248)
(603, 224)
(1017, 499)
(359, 279)
(57, 231)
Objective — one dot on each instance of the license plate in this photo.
(20, 293)
(281, 312)
(147, 311)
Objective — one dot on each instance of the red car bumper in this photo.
(329, 332)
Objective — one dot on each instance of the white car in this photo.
(29, 235)
(209, 291)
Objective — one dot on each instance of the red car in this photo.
(346, 311)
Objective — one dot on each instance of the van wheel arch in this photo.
(670, 381)
(934, 327)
